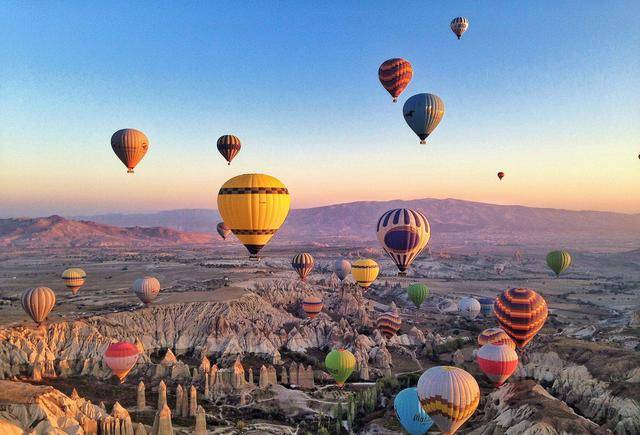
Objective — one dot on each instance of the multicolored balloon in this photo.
(130, 145)
(74, 278)
(229, 146)
(459, 25)
(365, 272)
(389, 323)
(303, 265)
(486, 306)
(403, 234)
(410, 413)
(469, 308)
(340, 363)
(38, 302)
(449, 395)
(254, 206)
(417, 293)
(342, 269)
(423, 113)
(395, 74)
(312, 305)
(558, 261)
(500, 175)
(498, 362)
(120, 357)
(223, 230)
(146, 288)
(521, 312)
(495, 336)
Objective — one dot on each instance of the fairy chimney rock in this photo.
(193, 401)
(162, 423)
(162, 395)
(205, 364)
(179, 399)
(201, 422)
(141, 400)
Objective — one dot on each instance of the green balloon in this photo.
(340, 363)
(558, 261)
(417, 293)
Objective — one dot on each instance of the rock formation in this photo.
(162, 423)
(140, 429)
(193, 401)
(162, 395)
(205, 364)
(141, 401)
(201, 422)
(179, 398)
(118, 423)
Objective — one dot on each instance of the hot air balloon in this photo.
(312, 305)
(410, 413)
(254, 206)
(365, 272)
(120, 357)
(469, 308)
(342, 269)
(223, 230)
(340, 363)
(499, 268)
(449, 395)
(497, 361)
(229, 146)
(495, 336)
(74, 278)
(38, 302)
(521, 312)
(417, 293)
(130, 145)
(486, 306)
(388, 323)
(395, 75)
(403, 234)
(501, 175)
(423, 113)
(146, 288)
(558, 261)
(302, 264)
(459, 25)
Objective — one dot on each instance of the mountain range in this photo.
(454, 224)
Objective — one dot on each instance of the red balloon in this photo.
(497, 361)
(500, 175)
(120, 357)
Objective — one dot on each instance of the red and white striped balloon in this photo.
(497, 362)
(120, 357)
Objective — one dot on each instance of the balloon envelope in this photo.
(303, 265)
(558, 261)
(146, 288)
(469, 308)
(459, 25)
(342, 269)
(403, 234)
(388, 323)
(486, 306)
(120, 357)
(254, 206)
(497, 361)
(417, 293)
(365, 272)
(312, 305)
(423, 113)
(38, 302)
(74, 278)
(340, 363)
(501, 175)
(495, 336)
(229, 146)
(449, 395)
(395, 75)
(521, 313)
(130, 145)
(223, 230)
(410, 413)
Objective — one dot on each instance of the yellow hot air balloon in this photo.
(365, 272)
(254, 206)
(74, 278)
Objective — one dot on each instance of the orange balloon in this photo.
(130, 145)
(395, 75)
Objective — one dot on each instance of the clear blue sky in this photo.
(548, 91)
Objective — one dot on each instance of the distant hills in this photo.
(455, 223)
(56, 231)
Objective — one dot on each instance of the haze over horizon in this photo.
(551, 103)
